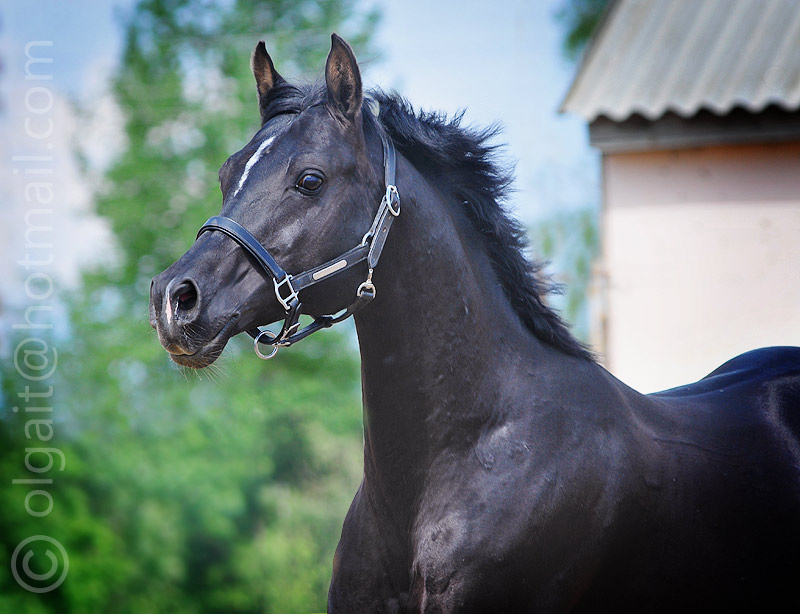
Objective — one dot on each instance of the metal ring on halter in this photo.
(271, 335)
(367, 286)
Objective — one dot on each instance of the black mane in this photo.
(436, 144)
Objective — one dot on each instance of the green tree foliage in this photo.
(579, 19)
(570, 242)
(222, 491)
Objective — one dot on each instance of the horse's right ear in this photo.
(264, 72)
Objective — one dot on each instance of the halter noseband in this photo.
(287, 287)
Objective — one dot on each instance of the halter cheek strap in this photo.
(287, 287)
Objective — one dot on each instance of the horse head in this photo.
(306, 187)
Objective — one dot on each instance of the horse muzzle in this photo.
(176, 312)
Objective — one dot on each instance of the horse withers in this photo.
(504, 469)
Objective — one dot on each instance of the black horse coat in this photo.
(504, 469)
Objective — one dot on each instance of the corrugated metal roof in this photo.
(653, 56)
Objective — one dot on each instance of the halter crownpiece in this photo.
(287, 287)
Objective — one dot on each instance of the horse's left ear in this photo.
(264, 72)
(343, 79)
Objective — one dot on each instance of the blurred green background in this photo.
(184, 492)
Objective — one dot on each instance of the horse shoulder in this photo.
(516, 505)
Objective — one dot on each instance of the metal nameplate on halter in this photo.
(292, 296)
(329, 270)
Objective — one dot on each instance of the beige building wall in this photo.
(701, 257)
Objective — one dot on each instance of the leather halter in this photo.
(287, 287)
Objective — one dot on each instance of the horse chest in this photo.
(485, 534)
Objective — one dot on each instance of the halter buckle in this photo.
(289, 298)
(284, 341)
(393, 200)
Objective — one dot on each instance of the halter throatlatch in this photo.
(288, 287)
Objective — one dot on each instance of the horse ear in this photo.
(264, 72)
(343, 79)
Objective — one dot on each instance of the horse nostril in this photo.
(185, 295)
(187, 300)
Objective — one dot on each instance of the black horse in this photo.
(504, 469)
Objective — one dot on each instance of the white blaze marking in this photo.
(253, 159)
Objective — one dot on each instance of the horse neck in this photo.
(439, 342)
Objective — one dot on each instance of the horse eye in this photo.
(309, 183)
